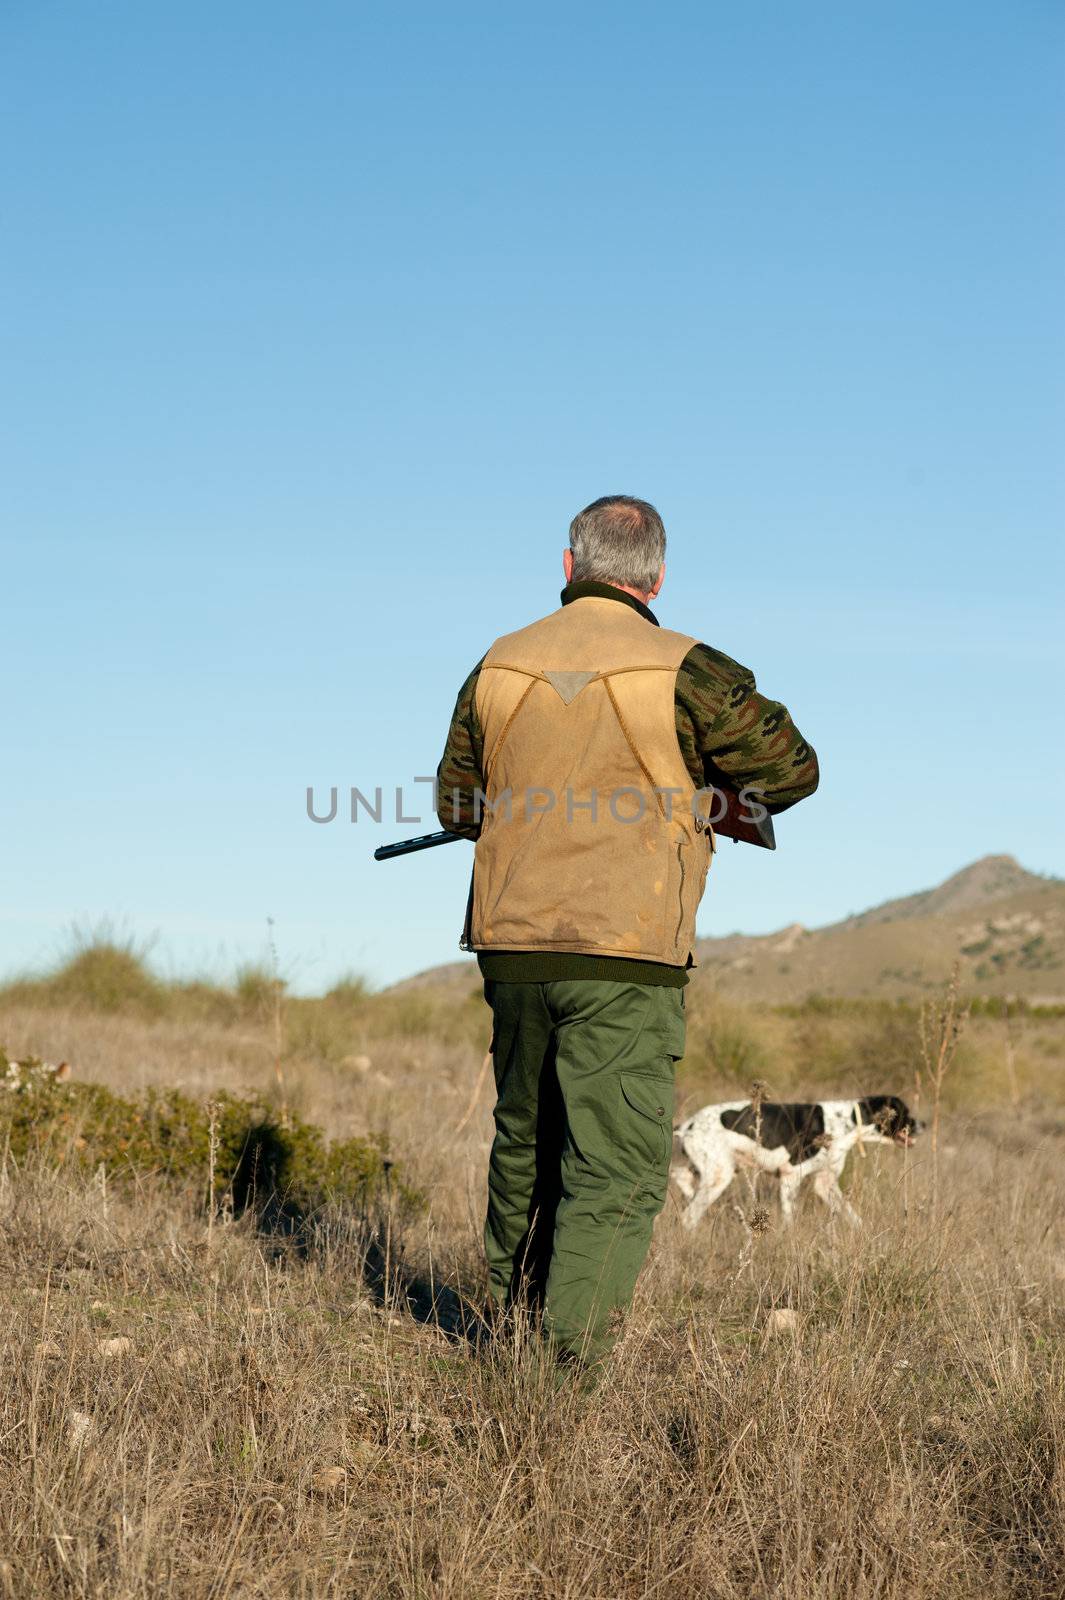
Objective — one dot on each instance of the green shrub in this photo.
(196, 999)
(102, 975)
(260, 1159)
(727, 1039)
(885, 1048)
(351, 993)
(737, 1054)
(109, 977)
(318, 1029)
(257, 991)
(450, 1018)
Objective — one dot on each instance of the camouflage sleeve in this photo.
(727, 729)
(459, 775)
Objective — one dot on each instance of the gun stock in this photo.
(739, 825)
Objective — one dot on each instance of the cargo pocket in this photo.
(652, 1100)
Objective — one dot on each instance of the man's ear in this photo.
(659, 581)
(567, 565)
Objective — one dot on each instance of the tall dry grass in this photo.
(210, 1411)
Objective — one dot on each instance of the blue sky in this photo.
(320, 322)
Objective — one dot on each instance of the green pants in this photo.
(580, 1162)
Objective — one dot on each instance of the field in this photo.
(200, 1404)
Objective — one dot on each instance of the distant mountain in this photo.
(455, 975)
(990, 878)
(1004, 926)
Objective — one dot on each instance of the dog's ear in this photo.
(62, 1072)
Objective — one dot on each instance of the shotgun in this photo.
(407, 847)
(735, 823)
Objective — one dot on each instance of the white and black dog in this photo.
(797, 1140)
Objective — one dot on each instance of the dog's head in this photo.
(891, 1117)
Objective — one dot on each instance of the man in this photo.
(581, 757)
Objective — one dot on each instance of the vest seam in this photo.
(512, 666)
(609, 672)
(632, 747)
(654, 666)
(490, 764)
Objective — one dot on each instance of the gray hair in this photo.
(618, 540)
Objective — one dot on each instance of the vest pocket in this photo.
(690, 865)
(680, 892)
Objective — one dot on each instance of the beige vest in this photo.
(594, 839)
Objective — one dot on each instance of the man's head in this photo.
(618, 540)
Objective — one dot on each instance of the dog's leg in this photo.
(706, 1149)
(827, 1190)
(789, 1188)
(685, 1182)
(710, 1188)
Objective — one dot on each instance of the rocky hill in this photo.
(1005, 926)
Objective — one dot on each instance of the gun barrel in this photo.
(407, 847)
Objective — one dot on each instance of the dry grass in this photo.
(305, 1424)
